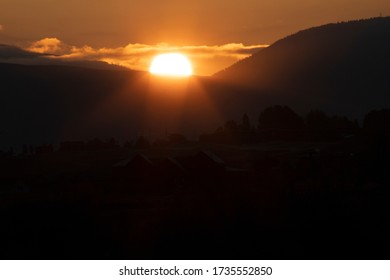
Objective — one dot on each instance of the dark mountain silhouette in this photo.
(11, 52)
(47, 104)
(16, 55)
(341, 68)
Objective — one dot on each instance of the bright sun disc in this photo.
(171, 64)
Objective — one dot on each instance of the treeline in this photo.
(281, 123)
(275, 123)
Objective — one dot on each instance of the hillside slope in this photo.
(49, 104)
(341, 68)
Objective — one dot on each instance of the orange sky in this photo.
(116, 24)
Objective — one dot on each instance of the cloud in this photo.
(48, 46)
(206, 59)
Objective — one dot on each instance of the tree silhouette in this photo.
(246, 126)
(317, 120)
(278, 117)
(177, 139)
(231, 127)
(142, 143)
(377, 120)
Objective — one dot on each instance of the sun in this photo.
(171, 64)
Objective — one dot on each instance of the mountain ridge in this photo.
(327, 67)
(10, 54)
(47, 104)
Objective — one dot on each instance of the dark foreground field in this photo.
(271, 200)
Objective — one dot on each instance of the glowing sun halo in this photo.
(171, 64)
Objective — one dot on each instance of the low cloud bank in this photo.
(206, 59)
